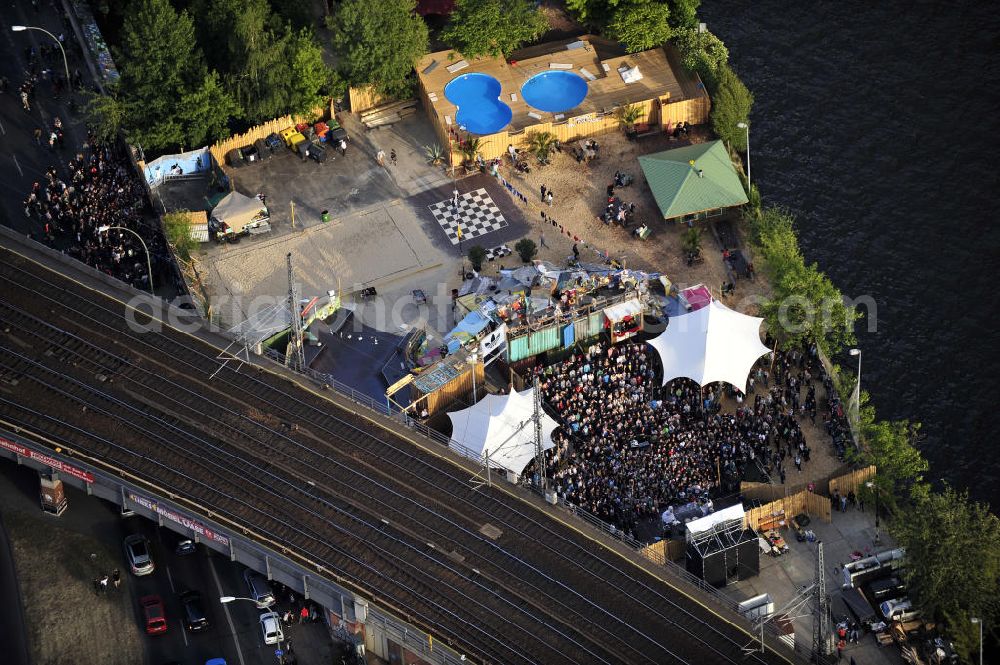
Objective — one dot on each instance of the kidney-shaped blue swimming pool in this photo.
(477, 97)
(555, 91)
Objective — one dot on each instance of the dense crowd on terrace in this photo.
(627, 449)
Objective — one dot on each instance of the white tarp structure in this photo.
(711, 344)
(503, 425)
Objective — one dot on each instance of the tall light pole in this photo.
(22, 28)
(149, 262)
(979, 621)
(743, 125)
(874, 488)
(855, 405)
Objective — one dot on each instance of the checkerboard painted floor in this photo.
(476, 212)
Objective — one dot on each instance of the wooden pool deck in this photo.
(596, 60)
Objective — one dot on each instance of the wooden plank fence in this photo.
(362, 99)
(220, 149)
(799, 499)
(850, 482)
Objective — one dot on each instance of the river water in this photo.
(876, 124)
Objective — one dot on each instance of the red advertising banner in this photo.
(55, 464)
(197, 527)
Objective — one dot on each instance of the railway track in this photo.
(394, 521)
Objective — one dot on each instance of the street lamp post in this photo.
(977, 620)
(874, 488)
(22, 28)
(149, 262)
(743, 125)
(855, 405)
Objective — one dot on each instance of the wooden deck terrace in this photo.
(595, 60)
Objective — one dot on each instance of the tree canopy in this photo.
(731, 105)
(701, 52)
(493, 27)
(378, 42)
(640, 25)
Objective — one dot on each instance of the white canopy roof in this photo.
(711, 344)
(619, 311)
(502, 424)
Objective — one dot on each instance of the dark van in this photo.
(886, 589)
(858, 605)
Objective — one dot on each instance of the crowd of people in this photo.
(627, 449)
(100, 191)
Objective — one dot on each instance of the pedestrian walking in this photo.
(24, 101)
(454, 200)
(97, 587)
(798, 462)
(544, 190)
(541, 240)
(104, 583)
(343, 147)
(392, 156)
(380, 157)
(545, 218)
(304, 614)
(116, 578)
(38, 136)
(548, 197)
(576, 252)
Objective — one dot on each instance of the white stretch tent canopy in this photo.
(710, 344)
(502, 424)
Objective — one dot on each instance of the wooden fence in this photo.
(222, 148)
(655, 112)
(663, 551)
(852, 481)
(362, 99)
(785, 508)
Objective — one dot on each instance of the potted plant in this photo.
(470, 150)
(627, 115)
(476, 257)
(434, 154)
(541, 144)
(526, 249)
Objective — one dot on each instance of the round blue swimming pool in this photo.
(477, 97)
(555, 91)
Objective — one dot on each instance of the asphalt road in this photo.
(233, 633)
(13, 633)
(21, 161)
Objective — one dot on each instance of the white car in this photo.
(140, 562)
(270, 627)
(898, 610)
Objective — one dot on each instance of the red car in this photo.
(152, 610)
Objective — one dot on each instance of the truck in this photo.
(858, 605)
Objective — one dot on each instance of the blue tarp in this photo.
(466, 330)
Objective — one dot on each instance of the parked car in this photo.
(195, 617)
(887, 589)
(152, 611)
(259, 588)
(186, 546)
(270, 627)
(140, 561)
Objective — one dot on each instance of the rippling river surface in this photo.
(876, 124)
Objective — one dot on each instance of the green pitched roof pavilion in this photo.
(678, 187)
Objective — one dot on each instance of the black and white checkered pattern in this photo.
(497, 252)
(477, 213)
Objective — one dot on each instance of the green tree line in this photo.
(189, 76)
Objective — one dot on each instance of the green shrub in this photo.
(526, 249)
(731, 104)
(476, 257)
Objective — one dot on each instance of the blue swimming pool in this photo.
(555, 91)
(477, 97)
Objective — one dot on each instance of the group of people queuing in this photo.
(100, 191)
(627, 448)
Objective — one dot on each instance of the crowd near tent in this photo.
(711, 344)
(503, 425)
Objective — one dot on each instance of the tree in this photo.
(160, 63)
(731, 105)
(205, 111)
(477, 255)
(683, 13)
(106, 114)
(640, 25)
(493, 27)
(378, 42)
(470, 147)
(627, 115)
(953, 558)
(691, 241)
(889, 446)
(177, 228)
(701, 52)
(593, 12)
(526, 249)
(310, 81)
(541, 145)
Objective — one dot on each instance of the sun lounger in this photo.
(560, 65)
(458, 66)
(587, 75)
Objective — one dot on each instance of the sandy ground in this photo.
(67, 623)
(579, 196)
